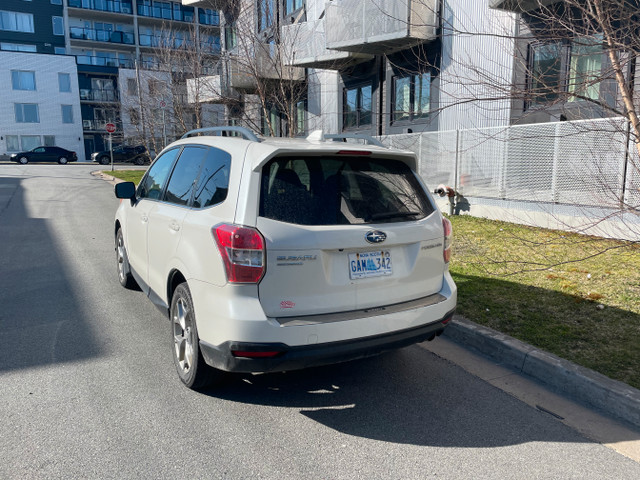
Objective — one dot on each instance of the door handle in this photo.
(174, 225)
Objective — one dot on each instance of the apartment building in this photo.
(39, 104)
(115, 41)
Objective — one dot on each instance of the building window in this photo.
(585, 67)
(67, 113)
(134, 116)
(13, 143)
(357, 111)
(156, 88)
(27, 113)
(64, 82)
(271, 122)
(58, 25)
(132, 86)
(411, 97)
(230, 37)
(266, 14)
(21, 80)
(29, 142)
(545, 69)
(60, 50)
(300, 120)
(570, 69)
(49, 140)
(16, 22)
(17, 47)
(207, 16)
(56, 2)
(292, 5)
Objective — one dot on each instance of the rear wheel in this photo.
(23, 160)
(63, 160)
(124, 270)
(104, 160)
(139, 160)
(192, 369)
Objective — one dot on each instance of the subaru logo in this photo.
(375, 236)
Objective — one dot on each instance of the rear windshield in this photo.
(341, 191)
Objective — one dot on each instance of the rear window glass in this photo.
(341, 191)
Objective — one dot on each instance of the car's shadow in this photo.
(410, 396)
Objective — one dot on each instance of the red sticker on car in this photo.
(287, 304)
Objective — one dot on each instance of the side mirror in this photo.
(125, 190)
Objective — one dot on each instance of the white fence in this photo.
(586, 163)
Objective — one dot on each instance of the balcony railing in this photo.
(165, 11)
(519, 6)
(104, 61)
(307, 41)
(269, 62)
(377, 27)
(115, 6)
(99, 95)
(98, 35)
(211, 89)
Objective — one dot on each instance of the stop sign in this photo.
(110, 127)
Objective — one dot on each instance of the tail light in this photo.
(242, 250)
(448, 232)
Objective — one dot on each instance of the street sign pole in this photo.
(111, 127)
(111, 149)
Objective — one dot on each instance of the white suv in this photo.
(278, 254)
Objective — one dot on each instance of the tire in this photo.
(23, 160)
(122, 262)
(192, 369)
(104, 160)
(63, 160)
(139, 160)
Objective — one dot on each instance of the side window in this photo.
(213, 183)
(184, 175)
(152, 185)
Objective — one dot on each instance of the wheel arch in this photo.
(176, 277)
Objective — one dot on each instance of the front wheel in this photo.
(104, 161)
(192, 369)
(23, 160)
(124, 270)
(139, 160)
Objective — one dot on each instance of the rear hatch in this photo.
(346, 233)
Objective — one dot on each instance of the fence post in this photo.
(625, 168)
(554, 168)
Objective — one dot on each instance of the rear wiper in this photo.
(388, 215)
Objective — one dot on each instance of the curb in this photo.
(109, 178)
(582, 384)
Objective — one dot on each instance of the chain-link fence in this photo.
(587, 163)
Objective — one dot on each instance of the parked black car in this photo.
(45, 154)
(124, 153)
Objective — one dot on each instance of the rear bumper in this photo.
(298, 357)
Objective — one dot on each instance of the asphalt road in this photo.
(88, 388)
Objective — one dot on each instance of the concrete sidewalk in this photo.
(590, 388)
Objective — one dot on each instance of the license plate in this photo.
(369, 264)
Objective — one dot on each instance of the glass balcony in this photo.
(363, 26)
(98, 35)
(99, 95)
(307, 42)
(115, 6)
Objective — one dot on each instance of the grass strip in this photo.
(572, 295)
(127, 175)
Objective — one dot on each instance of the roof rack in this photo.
(244, 132)
(336, 137)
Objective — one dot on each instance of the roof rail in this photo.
(336, 137)
(245, 132)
